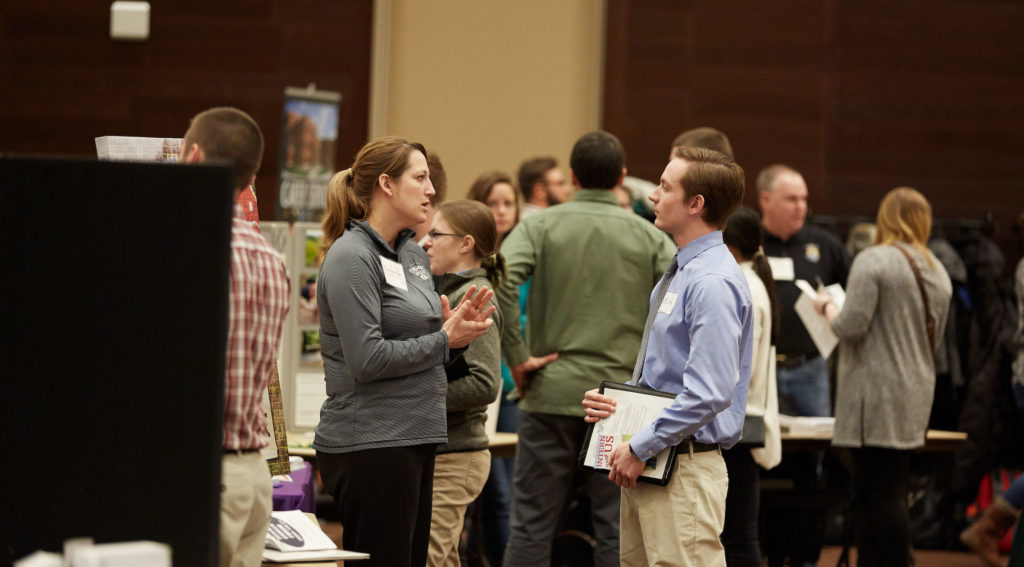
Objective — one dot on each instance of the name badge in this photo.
(394, 275)
(782, 269)
(668, 303)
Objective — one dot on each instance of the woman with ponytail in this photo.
(385, 338)
(744, 236)
(463, 249)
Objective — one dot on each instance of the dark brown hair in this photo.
(480, 190)
(226, 133)
(704, 137)
(532, 171)
(745, 233)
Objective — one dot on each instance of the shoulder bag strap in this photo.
(929, 320)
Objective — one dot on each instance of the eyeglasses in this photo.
(434, 234)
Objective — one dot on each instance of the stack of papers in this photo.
(293, 536)
(818, 327)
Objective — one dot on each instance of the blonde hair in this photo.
(473, 218)
(349, 192)
(905, 216)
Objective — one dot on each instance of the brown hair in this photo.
(349, 192)
(480, 190)
(745, 233)
(532, 170)
(715, 177)
(438, 178)
(704, 137)
(226, 133)
(905, 216)
(473, 218)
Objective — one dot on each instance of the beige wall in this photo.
(487, 84)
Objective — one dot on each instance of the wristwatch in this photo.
(631, 451)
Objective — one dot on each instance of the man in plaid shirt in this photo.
(259, 302)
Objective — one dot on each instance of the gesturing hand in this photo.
(470, 319)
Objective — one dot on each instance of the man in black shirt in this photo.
(797, 252)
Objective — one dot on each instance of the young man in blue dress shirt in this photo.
(697, 346)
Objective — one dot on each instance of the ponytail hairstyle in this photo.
(473, 218)
(349, 192)
(744, 232)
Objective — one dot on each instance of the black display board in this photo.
(113, 303)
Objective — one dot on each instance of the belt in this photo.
(699, 447)
(787, 361)
(240, 451)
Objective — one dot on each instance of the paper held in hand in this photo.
(635, 409)
(293, 536)
(818, 327)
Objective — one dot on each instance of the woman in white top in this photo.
(744, 236)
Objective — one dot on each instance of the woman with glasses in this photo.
(386, 337)
(462, 245)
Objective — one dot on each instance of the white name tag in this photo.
(668, 303)
(782, 269)
(394, 275)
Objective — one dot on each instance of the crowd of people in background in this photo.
(535, 289)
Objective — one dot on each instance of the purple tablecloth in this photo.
(298, 494)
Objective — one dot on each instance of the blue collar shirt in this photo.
(700, 350)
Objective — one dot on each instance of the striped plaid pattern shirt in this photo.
(259, 303)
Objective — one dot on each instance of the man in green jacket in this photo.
(593, 266)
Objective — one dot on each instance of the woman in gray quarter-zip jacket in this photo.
(385, 337)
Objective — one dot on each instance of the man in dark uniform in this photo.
(798, 252)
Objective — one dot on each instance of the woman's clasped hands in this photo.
(470, 318)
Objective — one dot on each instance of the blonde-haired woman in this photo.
(385, 337)
(463, 245)
(897, 299)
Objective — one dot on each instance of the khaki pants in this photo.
(458, 480)
(677, 524)
(245, 505)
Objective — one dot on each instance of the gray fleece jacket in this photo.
(474, 379)
(382, 344)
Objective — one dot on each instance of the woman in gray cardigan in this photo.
(897, 299)
(462, 245)
(385, 337)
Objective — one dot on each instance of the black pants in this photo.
(881, 520)
(385, 498)
(741, 508)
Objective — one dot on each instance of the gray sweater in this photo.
(474, 379)
(886, 376)
(383, 347)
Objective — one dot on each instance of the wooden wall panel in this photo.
(63, 81)
(861, 96)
